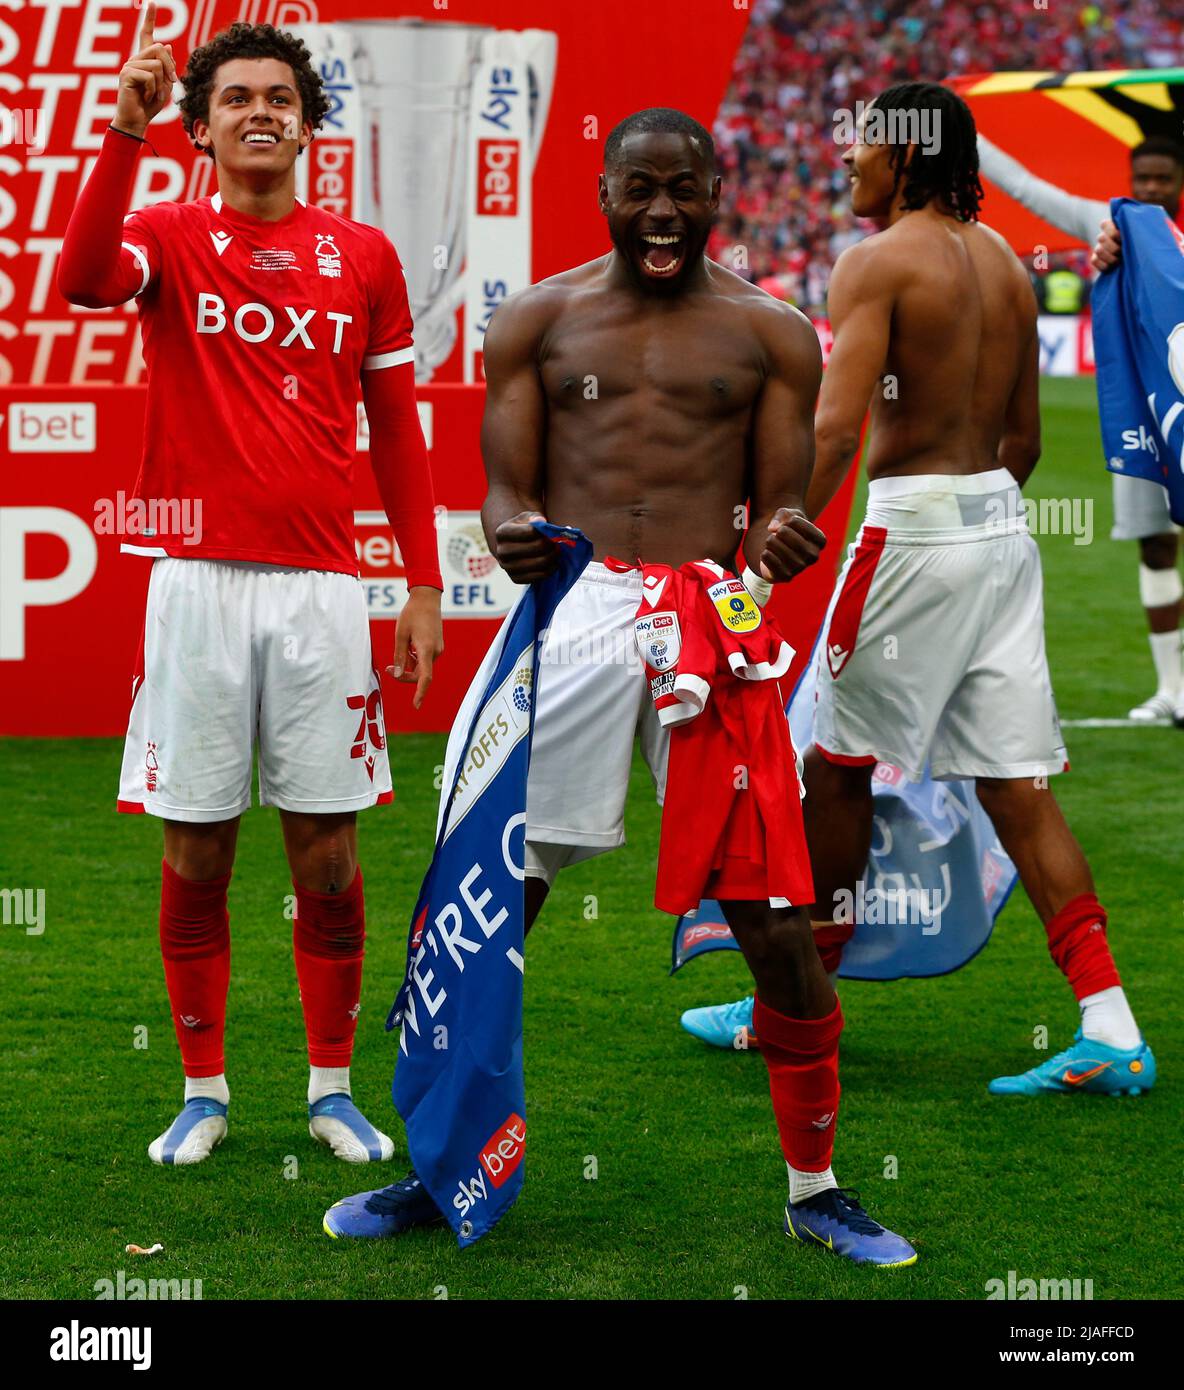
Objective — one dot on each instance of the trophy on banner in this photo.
(432, 135)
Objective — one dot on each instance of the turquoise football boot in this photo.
(1086, 1066)
(723, 1025)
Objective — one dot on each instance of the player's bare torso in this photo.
(962, 318)
(649, 406)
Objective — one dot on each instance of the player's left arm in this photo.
(781, 541)
(399, 458)
(859, 301)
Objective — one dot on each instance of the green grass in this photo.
(690, 1183)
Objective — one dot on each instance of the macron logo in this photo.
(221, 241)
(653, 589)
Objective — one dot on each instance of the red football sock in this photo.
(803, 1060)
(1077, 942)
(830, 938)
(195, 944)
(327, 938)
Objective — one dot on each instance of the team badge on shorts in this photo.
(735, 606)
(658, 640)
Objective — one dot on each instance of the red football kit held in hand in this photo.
(732, 818)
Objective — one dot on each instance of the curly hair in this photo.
(950, 170)
(243, 40)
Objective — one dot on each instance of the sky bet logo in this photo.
(497, 178)
(1140, 440)
(51, 427)
(499, 1159)
(498, 158)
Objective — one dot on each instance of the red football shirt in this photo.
(255, 334)
(712, 660)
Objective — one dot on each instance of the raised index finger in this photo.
(146, 38)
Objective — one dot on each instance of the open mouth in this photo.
(266, 138)
(662, 253)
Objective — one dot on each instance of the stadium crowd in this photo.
(786, 212)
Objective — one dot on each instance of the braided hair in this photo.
(950, 170)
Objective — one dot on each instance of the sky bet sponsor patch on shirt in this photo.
(735, 606)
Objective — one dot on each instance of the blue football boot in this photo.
(723, 1025)
(385, 1212)
(335, 1120)
(1086, 1066)
(834, 1219)
(193, 1135)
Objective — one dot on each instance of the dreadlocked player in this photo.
(933, 647)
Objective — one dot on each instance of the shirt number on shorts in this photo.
(371, 721)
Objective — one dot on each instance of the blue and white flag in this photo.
(1138, 326)
(458, 1081)
(937, 876)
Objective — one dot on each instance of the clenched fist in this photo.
(792, 545)
(522, 552)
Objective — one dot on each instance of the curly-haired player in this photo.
(260, 315)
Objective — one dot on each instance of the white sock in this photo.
(803, 1185)
(1106, 1017)
(207, 1088)
(1165, 652)
(327, 1081)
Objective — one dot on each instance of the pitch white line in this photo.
(1116, 724)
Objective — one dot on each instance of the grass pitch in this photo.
(688, 1186)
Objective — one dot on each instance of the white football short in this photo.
(1140, 509)
(592, 698)
(236, 655)
(933, 647)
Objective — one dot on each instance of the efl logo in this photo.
(497, 178)
(51, 427)
(331, 176)
(502, 1152)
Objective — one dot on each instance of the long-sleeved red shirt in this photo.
(256, 335)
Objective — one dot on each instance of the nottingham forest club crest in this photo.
(328, 256)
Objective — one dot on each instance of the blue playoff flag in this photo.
(458, 1082)
(937, 876)
(1138, 325)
